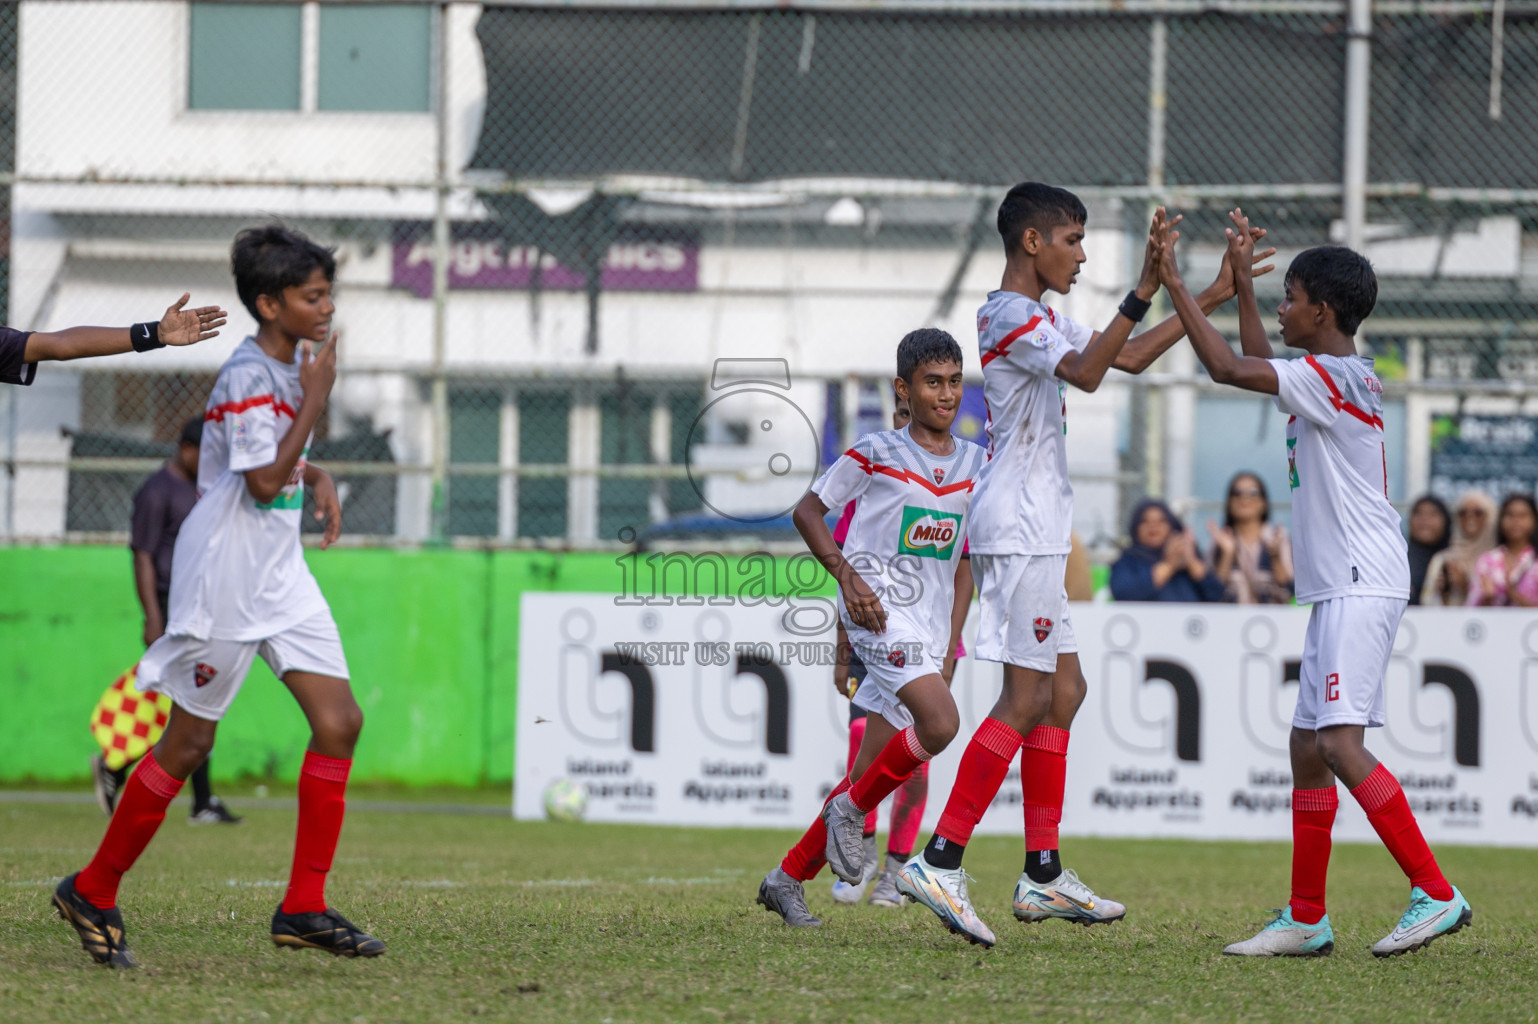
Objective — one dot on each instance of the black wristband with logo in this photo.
(146, 337)
(1134, 308)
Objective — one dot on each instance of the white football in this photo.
(565, 800)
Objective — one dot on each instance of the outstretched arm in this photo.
(1241, 253)
(1248, 372)
(178, 327)
(1085, 370)
(1140, 351)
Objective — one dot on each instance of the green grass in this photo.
(489, 918)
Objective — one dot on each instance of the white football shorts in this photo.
(1023, 619)
(892, 660)
(1345, 657)
(203, 676)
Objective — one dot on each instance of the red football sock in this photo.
(1391, 817)
(857, 737)
(807, 857)
(908, 812)
(322, 803)
(898, 759)
(1313, 815)
(140, 811)
(978, 778)
(1043, 773)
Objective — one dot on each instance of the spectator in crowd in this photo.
(1507, 574)
(1162, 563)
(1447, 577)
(1431, 527)
(1252, 557)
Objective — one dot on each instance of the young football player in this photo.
(241, 588)
(1351, 564)
(896, 602)
(911, 797)
(21, 351)
(1020, 538)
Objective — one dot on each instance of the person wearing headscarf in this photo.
(1507, 575)
(1251, 555)
(1431, 528)
(1448, 575)
(1162, 563)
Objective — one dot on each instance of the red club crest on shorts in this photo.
(204, 673)
(1043, 629)
(896, 657)
(939, 475)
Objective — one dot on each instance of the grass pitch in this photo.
(487, 918)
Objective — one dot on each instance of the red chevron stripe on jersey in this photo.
(1339, 401)
(216, 414)
(1002, 348)
(907, 475)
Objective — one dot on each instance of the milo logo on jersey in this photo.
(929, 533)
(1292, 463)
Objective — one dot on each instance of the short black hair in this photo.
(925, 345)
(1031, 204)
(1339, 277)
(268, 259)
(1507, 502)
(192, 431)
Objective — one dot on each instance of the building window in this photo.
(543, 430)
(473, 440)
(375, 57)
(308, 57)
(244, 57)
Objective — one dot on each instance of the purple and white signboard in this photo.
(648, 260)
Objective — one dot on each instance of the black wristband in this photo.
(1134, 308)
(145, 337)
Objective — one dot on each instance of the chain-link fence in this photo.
(557, 222)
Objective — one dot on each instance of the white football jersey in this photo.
(908, 529)
(1024, 502)
(238, 571)
(1345, 534)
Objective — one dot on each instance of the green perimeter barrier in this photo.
(431, 638)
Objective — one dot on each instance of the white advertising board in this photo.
(726, 717)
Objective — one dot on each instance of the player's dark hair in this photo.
(1339, 277)
(1507, 502)
(192, 431)
(1031, 204)
(925, 345)
(1228, 502)
(268, 259)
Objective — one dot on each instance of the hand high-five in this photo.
(186, 326)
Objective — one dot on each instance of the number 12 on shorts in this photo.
(1332, 686)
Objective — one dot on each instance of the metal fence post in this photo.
(441, 252)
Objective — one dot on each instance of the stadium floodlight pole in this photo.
(438, 515)
(1358, 86)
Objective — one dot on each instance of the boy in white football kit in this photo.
(1022, 516)
(897, 601)
(1351, 563)
(241, 588)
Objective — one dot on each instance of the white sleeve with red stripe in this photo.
(848, 477)
(1304, 388)
(1078, 335)
(1035, 346)
(252, 417)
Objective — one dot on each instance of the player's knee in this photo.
(341, 725)
(1333, 747)
(182, 753)
(938, 729)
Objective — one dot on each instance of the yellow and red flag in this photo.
(127, 723)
